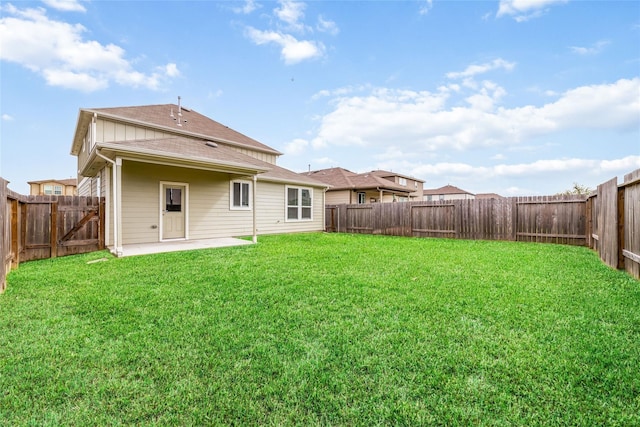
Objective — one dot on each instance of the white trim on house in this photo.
(232, 193)
(299, 206)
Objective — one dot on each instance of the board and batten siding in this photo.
(111, 131)
(265, 157)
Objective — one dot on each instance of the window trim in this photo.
(299, 206)
(249, 195)
(362, 197)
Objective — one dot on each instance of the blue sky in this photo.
(517, 97)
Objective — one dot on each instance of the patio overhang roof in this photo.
(95, 163)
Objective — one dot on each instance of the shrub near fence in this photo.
(38, 227)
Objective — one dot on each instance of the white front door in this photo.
(173, 211)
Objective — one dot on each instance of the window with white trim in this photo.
(403, 181)
(240, 195)
(299, 204)
(362, 198)
(51, 189)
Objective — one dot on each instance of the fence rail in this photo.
(38, 227)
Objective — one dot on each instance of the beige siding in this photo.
(83, 155)
(110, 131)
(209, 213)
(339, 196)
(265, 157)
(84, 186)
(271, 213)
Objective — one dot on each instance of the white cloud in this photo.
(290, 15)
(542, 168)
(7, 117)
(291, 12)
(326, 26)
(324, 161)
(65, 5)
(171, 70)
(292, 50)
(58, 52)
(424, 121)
(592, 50)
(248, 7)
(524, 10)
(425, 7)
(296, 146)
(476, 69)
(625, 164)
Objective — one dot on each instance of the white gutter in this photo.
(113, 202)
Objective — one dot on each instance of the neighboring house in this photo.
(53, 187)
(448, 192)
(168, 172)
(370, 187)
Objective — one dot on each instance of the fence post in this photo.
(4, 239)
(620, 227)
(16, 232)
(54, 229)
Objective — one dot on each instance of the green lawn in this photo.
(323, 329)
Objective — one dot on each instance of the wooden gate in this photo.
(51, 226)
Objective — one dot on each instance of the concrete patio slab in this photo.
(181, 245)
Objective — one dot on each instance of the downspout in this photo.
(114, 203)
(255, 207)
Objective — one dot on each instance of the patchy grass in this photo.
(323, 329)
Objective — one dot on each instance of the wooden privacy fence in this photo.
(614, 215)
(607, 221)
(38, 227)
(532, 219)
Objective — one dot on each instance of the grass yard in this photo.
(323, 329)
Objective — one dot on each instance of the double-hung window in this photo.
(240, 195)
(299, 204)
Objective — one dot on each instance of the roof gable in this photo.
(447, 189)
(180, 120)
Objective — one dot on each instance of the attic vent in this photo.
(210, 144)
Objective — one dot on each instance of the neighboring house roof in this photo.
(447, 189)
(70, 181)
(343, 179)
